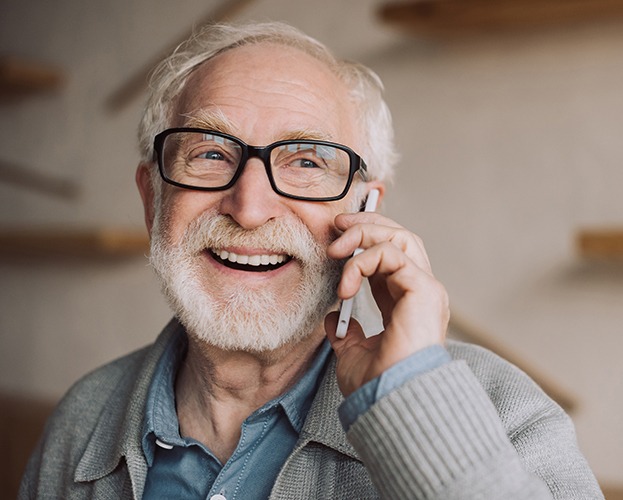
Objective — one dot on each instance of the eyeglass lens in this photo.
(209, 160)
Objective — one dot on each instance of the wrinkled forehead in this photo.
(280, 86)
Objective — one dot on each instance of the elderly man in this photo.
(258, 150)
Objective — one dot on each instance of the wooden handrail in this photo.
(137, 83)
(45, 243)
(470, 333)
(600, 244)
(35, 180)
(612, 492)
(19, 78)
(451, 17)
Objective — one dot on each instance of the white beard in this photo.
(246, 318)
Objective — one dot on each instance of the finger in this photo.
(346, 220)
(383, 259)
(365, 236)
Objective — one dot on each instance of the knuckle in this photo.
(441, 294)
(401, 238)
(417, 240)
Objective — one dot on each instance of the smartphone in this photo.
(346, 308)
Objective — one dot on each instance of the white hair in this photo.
(366, 88)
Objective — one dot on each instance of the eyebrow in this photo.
(314, 135)
(211, 120)
(218, 122)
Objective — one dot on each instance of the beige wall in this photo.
(509, 145)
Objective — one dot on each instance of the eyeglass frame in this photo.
(357, 164)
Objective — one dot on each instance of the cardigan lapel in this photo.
(322, 424)
(119, 428)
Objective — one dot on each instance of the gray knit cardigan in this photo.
(475, 428)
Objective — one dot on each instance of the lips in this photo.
(252, 263)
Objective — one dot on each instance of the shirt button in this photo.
(218, 496)
(166, 446)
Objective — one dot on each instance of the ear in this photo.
(380, 186)
(146, 189)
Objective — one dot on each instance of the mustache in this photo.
(284, 235)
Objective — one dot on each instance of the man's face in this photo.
(206, 244)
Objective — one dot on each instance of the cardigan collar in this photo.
(118, 431)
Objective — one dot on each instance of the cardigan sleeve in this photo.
(452, 434)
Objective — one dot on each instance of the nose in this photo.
(251, 201)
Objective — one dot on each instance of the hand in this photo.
(413, 304)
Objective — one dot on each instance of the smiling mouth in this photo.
(252, 263)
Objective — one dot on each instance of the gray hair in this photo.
(366, 88)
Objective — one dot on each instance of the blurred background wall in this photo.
(511, 144)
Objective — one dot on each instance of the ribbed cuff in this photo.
(436, 428)
(363, 398)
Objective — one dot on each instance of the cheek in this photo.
(320, 217)
(321, 223)
(178, 209)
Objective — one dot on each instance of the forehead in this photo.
(265, 91)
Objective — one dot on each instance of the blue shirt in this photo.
(181, 467)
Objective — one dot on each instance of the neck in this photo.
(217, 390)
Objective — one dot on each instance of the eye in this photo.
(305, 163)
(211, 155)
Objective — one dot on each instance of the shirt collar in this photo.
(161, 420)
(160, 415)
(297, 401)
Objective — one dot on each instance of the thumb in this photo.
(354, 332)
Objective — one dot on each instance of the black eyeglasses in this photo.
(206, 160)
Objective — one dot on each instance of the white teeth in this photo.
(251, 260)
